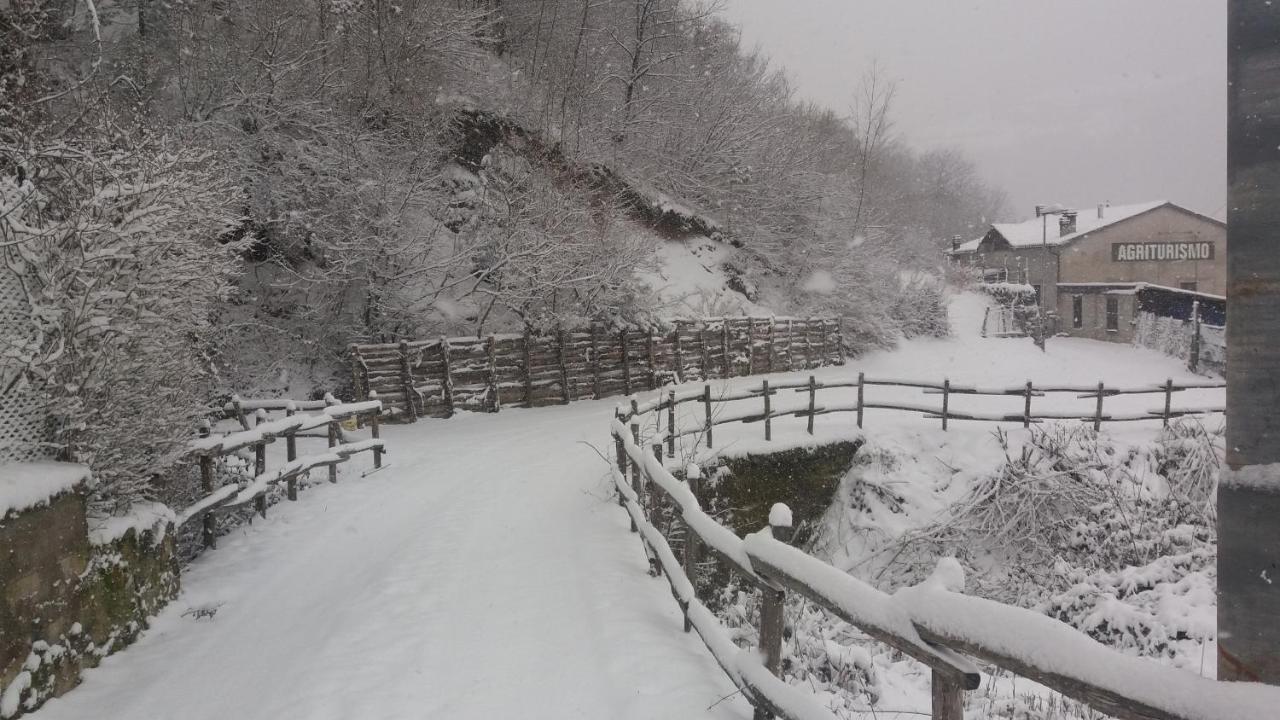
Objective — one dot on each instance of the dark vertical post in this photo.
(706, 353)
(1168, 400)
(595, 362)
(768, 417)
(209, 532)
(671, 423)
(260, 464)
(791, 344)
(446, 382)
(691, 550)
(652, 361)
(678, 350)
(1193, 361)
(725, 366)
(375, 429)
(626, 363)
(835, 329)
(565, 395)
(861, 383)
(1249, 511)
(291, 451)
(406, 382)
(1026, 406)
(357, 388)
(773, 602)
(946, 401)
(813, 401)
(528, 368)
(772, 338)
(656, 503)
(751, 346)
(706, 404)
(636, 485)
(333, 442)
(948, 698)
(491, 373)
(1097, 413)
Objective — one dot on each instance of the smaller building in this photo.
(1110, 311)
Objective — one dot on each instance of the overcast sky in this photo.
(1057, 101)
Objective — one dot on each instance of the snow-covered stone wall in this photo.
(71, 592)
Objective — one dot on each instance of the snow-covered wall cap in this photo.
(26, 485)
(1252, 477)
(780, 515)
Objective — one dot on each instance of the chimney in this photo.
(1101, 207)
(955, 242)
(1067, 224)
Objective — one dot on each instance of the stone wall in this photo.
(66, 601)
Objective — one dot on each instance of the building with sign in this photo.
(1088, 267)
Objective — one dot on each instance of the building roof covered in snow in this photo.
(1049, 230)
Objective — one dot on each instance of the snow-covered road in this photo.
(484, 574)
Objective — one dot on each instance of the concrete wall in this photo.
(1088, 259)
(65, 603)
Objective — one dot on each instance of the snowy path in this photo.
(486, 574)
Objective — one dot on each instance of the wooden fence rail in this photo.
(208, 448)
(714, 406)
(434, 378)
(940, 628)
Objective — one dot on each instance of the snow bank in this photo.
(143, 516)
(30, 484)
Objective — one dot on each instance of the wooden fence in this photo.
(716, 409)
(437, 377)
(209, 448)
(929, 623)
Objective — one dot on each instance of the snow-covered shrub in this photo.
(920, 307)
(126, 255)
(1010, 294)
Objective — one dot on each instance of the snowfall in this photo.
(488, 572)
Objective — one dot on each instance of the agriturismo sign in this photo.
(1161, 251)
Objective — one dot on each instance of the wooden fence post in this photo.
(1193, 362)
(375, 429)
(751, 346)
(768, 420)
(595, 361)
(791, 344)
(772, 338)
(706, 404)
(291, 450)
(725, 365)
(1097, 415)
(446, 382)
(626, 364)
(678, 350)
(948, 698)
(653, 363)
(620, 457)
(528, 368)
(406, 381)
(1026, 407)
(491, 357)
(656, 503)
(946, 401)
(564, 366)
(706, 352)
(691, 551)
(813, 401)
(671, 423)
(835, 329)
(209, 531)
(773, 602)
(824, 350)
(333, 442)
(260, 463)
(1168, 400)
(238, 409)
(808, 343)
(356, 387)
(860, 386)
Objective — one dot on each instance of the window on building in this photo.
(1188, 285)
(1037, 289)
(1113, 313)
(1077, 311)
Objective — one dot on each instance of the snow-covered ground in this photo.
(487, 571)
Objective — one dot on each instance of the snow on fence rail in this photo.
(1025, 413)
(437, 377)
(209, 447)
(930, 622)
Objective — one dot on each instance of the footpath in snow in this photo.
(487, 573)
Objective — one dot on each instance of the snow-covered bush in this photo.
(125, 253)
(920, 307)
(1010, 294)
